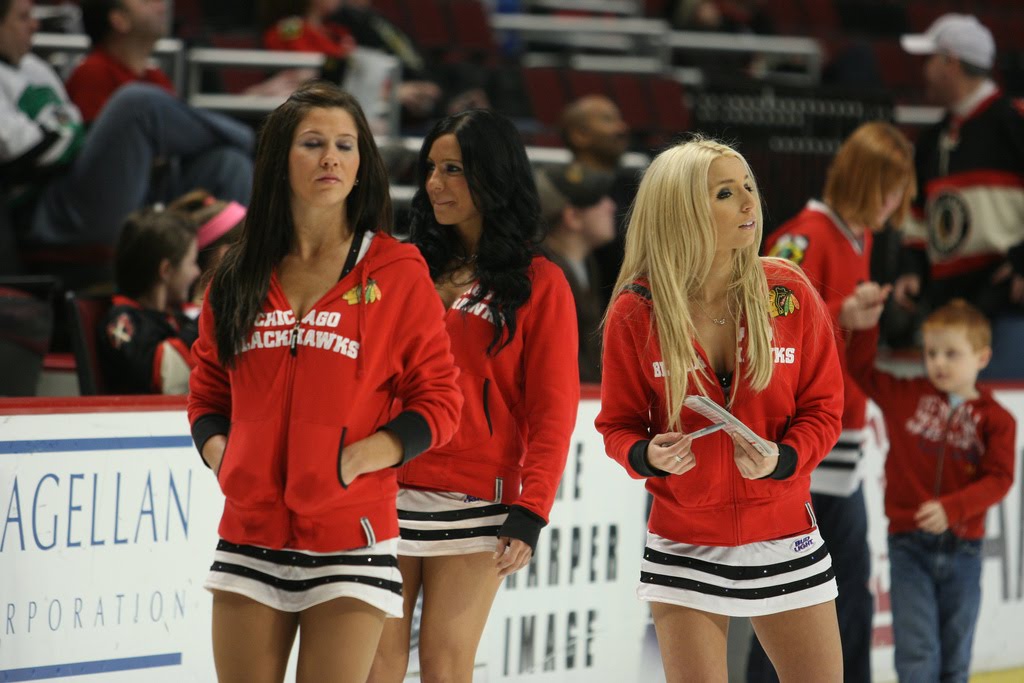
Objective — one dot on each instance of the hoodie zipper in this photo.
(727, 404)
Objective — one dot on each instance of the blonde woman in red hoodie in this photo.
(732, 530)
(471, 511)
(322, 362)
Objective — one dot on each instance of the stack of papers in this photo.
(719, 415)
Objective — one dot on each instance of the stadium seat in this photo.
(85, 315)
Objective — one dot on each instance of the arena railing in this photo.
(64, 50)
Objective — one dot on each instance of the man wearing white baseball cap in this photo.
(968, 236)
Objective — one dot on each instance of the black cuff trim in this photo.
(205, 427)
(638, 461)
(523, 525)
(786, 465)
(412, 430)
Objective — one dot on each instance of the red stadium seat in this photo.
(85, 315)
(631, 94)
(428, 25)
(586, 83)
(547, 93)
(472, 27)
(670, 111)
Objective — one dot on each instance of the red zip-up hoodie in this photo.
(372, 353)
(963, 457)
(520, 408)
(801, 410)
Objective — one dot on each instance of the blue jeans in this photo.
(843, 523)
(936, 595)
(139, 126)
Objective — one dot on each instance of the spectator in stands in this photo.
(123, 34)
(869, 182)
(733, 16)
(347, 373)
(218, 226)
(145, 338)
(471, 512)
(427, 88)
(951, 458)
(594, 131)
(73, 189)
(305, 26)
(579, 217)
(968, 239)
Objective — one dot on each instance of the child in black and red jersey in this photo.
(951, 458)
(145, 339)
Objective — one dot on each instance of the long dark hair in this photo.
(241, 281)
(501, 184)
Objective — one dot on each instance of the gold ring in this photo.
(678, 459)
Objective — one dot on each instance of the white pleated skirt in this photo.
(294, 580)
(750, 580)
(434, 523)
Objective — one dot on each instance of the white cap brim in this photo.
(918, 44)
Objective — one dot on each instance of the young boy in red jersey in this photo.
(951, 458)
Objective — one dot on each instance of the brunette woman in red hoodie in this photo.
(731, 531)
(471, 511)
(322, 362)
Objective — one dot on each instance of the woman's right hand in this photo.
(670, 452)
(213, 451)
(862, 309)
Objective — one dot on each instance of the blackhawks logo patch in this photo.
(120, 331)
(790, 247)
(782, 301)
(371, 295)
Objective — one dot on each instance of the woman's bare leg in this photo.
(392, 659)
(692, 643)
(458, 591)
(251, 641)
(803, 644)
(337, 641)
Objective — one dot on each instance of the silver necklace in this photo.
(718, 321)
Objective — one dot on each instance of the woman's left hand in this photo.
(512, 555)
(750, 462)
(375, 452)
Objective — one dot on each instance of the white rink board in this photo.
(109, 524)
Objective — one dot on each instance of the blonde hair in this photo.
(874, 160)
(671, 241)
(958, 314)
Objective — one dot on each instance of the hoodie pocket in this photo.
(248, 474)
(482, 409)
(315, 454)
(772, 429)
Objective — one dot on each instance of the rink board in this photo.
(109, 522)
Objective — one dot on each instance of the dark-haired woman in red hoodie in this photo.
(322, 363)
(471, 511)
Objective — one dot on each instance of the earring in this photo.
(356, 182)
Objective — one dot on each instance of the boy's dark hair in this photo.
(149, 236)
(959, 313)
